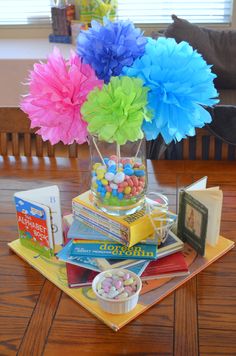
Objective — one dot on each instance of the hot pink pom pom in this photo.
(58, 89)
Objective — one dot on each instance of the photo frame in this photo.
(192, 222)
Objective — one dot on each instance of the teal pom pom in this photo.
(180, 83)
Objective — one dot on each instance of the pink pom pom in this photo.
(58, 89)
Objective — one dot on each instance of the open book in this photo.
(39, 219)
(200, 214)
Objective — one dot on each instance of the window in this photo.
(24, 12)
(160, 11)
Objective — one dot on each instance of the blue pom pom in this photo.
(180, 83)
(110, 47)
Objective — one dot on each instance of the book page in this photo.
(198, 185)
(49, 196)
(213, 200)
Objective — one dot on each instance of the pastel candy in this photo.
(112, 169)
(108, 194)
(114, 192)
(139, 173)
(120, 195)
(127, 190)
(128, 281)
(130, 182)
(126, 276)
(135, 181)
(113, 158)
(121, 273)
(123, 295)
(119, 177)
(127, 165)
(106, 289)
(96, 165)
(104, 181)
(101, 168)
(109, 176)
(129, 171)
(103, 193)
(113, 294)
(111, 163)
(117, 285)
(108, 275)
(100, 291)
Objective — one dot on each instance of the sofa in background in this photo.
(218, 48)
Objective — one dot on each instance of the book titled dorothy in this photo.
(104, 249)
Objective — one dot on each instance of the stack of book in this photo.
(96, 242)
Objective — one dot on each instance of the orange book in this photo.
(152, 291)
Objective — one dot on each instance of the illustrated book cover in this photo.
(108, 250)
(200, 214)
(98, 264)
(128, 230)
(171, 245)
(39, 219)
(55, 271)
(82, 261)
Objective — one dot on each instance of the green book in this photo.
(105, 249)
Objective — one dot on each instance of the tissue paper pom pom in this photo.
(110, 47)
(58, 88)
(180, 81)
(116, 113)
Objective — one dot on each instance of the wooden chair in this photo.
(17, 139)
(203, 146)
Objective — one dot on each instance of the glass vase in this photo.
(118, 176)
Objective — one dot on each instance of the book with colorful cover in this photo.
(128, 230)
(169, 266)
(105, 249)
(55, 271)
(95, 264)
(171, 245)
(82, 261)
(39, 219)
(33, 221)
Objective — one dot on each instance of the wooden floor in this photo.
(36, 318)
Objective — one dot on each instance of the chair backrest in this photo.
(203, 146)
(17, 139)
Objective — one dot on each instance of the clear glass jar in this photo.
(118, 176)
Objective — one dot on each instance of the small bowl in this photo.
(117, 306)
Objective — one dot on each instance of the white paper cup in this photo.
(117, 306)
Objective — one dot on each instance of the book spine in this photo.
(113, 251)
(180, 214)
(105, 225)
(93, 224)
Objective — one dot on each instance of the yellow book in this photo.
(55, 271)
(128, 230)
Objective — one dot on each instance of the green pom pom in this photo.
(116, 112)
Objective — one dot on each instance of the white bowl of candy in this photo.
(117, 290)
